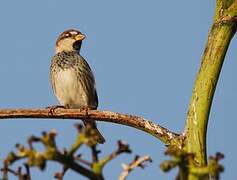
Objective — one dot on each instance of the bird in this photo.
(71, 77)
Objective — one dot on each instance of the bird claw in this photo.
(85, 110)
(52, 109)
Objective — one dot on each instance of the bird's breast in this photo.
(69, 89)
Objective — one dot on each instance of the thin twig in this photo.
(83, 161)
(155, 130)
(137, 162)
(59, 175)
(28, 175)
(123, 147)
(94, 153)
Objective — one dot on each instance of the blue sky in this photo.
(144, 54)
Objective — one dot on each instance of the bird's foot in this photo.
(85, 109)
(55, 107)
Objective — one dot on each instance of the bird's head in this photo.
(69, 40)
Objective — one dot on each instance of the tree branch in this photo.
(149, 127)
(137, 162)
(51, 153)
(219, 37)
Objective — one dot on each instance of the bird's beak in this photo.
(80, 37)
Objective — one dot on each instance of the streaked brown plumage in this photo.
(71, 76)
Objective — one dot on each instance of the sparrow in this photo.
(72, 79)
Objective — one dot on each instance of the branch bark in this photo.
(165, 135)
(220, 35)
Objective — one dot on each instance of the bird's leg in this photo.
(85, 110)
(55, 107)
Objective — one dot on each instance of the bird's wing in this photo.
(52, 73)
(87, 80)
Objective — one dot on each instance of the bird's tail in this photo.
(96, 133)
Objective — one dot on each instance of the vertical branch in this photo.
(219, 38)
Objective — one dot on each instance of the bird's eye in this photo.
(67, 35)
